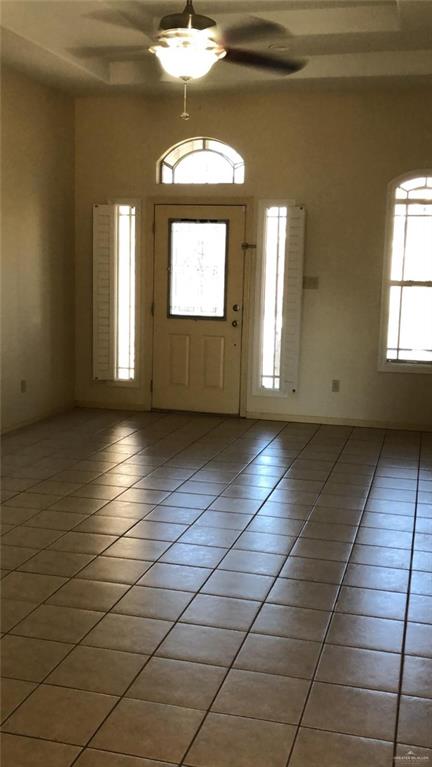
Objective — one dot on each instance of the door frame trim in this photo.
(248, 203)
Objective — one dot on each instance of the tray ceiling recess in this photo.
(103, 46)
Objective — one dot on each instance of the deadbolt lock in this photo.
(234, 323)
(236, 307)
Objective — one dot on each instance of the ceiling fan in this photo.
(188, 45)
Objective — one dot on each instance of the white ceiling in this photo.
(91, 46)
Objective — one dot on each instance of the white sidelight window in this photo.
(114, 291)
(278, 294)
(125, 298)
(406, 337)
(272, 275)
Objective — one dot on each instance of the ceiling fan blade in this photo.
(263, 61)
(112, 53)
(228, 8)
(253, 29)
(128, 14)
(109, 17)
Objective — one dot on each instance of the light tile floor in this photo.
(209, 592)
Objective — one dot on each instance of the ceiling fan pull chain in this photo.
(185, 114)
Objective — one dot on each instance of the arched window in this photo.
(407, 289)
(201, 161)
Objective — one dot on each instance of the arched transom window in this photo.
(408, 278)
(201, 161)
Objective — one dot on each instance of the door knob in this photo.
(236, 307)
(234, 323)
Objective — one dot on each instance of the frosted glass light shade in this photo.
(187, 53)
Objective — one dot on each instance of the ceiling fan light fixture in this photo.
(187, 53)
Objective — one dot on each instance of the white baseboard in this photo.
(41, 417)
(339, 421)
(250, 414)
(111, 406)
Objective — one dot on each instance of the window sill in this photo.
(395, 367)
(273, 393)
(129, 384)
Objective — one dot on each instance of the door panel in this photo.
(213, 361)
(198, 280)
(179, 359)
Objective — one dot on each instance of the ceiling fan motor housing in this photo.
(188, 19)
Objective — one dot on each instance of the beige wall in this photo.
(37, 250)
(335, 152)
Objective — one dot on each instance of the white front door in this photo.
(198, 296)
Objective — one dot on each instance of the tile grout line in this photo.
(407, 606)
(70, 495)
(73, 462)
(172, 543)
(71, 578)
(174, 623)
(194, 593)
(16, 569)
(333, 611)
(108, 501)
(95, 555)
(248, 632)
(89, 457)
(109, 611)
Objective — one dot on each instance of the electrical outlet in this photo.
(23, 386)
(335, 385)
(310, 283)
